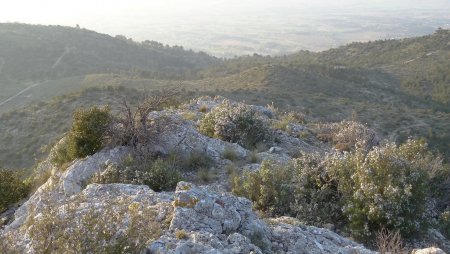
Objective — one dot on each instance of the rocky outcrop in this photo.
(431, 250)
(182, 136)
(222, 223)
(62, 185)
(194, 219)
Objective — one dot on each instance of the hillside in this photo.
(35, 53)
(328, 94)
(367, 82)
(422, 63)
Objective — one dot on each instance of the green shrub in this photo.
(384, 188)
(88, 130)
(197, 160)
(12, 188)
(315, 199)
(360, 191)
(159, 175)
(86, 136)
(444, 223)
(236, 123)
(270, 188)
(229, 154)
(288, 118)
(301, 189)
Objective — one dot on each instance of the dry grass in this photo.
(229, 154)
(390, 242)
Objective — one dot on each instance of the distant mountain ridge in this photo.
(34, 52)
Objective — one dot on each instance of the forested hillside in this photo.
(35, 52)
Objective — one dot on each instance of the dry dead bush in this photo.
(390, 242)
(133, 127)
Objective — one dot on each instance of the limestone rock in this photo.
(196, 219)
(431, 250)
(223, 223)
(65, 184)
(182, 136)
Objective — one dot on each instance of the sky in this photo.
(91, 13)
(177, 21)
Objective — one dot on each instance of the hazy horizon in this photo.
(226, 28)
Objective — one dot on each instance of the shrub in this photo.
(384, 188)
(133, 127)
(203, 109)
(205, 174)
(12, 188)
(346, 134)
(288, 118)
(362, 191)
(120, 226)
(86, 137)
(390, 242)
(270, 188)
(315, 199)
(197, 160)
(181, 234)
(88, 131)
(158, 174)
(444, 224)
(301, 189)
(190, 116)
(253, 157)
(235, 123)
(161, 175)
(229, 154)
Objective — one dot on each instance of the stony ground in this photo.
(195, 218)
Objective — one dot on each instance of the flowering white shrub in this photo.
(363, 191)
(236, 123)
(384, 188)
(346, 134)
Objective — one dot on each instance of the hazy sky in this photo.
(91, 13)
(173, 21)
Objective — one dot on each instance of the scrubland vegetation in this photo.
(236, 124)
(380, 182)
(389, 187)
(363, 187)
(94, 230)
(367, 82)
(13, 187)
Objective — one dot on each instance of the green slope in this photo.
(35, 52)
